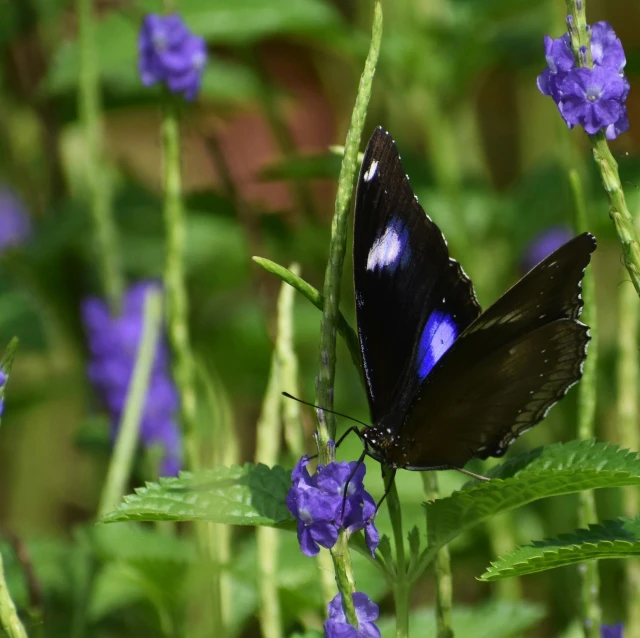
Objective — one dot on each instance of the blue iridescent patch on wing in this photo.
(437, 337)
(390, 249)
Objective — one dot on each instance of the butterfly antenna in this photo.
(318, 407)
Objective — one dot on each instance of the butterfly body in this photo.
(445, 382)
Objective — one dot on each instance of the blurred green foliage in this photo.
(489, 159)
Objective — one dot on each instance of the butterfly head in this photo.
(379, 442)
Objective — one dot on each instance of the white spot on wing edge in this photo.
(371, 172)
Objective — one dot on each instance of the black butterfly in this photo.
(447, 383)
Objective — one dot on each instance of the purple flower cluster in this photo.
(170, 53)
(113, 344)
(336, 626)
(543, 245)
(319, 505)
(3, 380)
(15, 225)
(593, 98)
(612, 631)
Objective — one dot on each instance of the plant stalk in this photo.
(337, 250)
(100, 195)
(129, 427)
(618, 211)
(401, 585)
(442, 566)
(174, 282)
(590, 579)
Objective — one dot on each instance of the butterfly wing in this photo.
(505, 371)
(412, 301)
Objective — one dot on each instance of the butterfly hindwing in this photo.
(504, 372)
(412, 300)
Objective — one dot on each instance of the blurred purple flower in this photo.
(170, 53)
(113, 346)
(15, 225)
(318, 502)
(543, 245)
(612, 631)
(366, 611)
(593, 98)
(3, 380)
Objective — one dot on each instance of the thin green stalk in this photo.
(291, 412)
(269, 433)
(214, 538)
(89, 108)
(442, 566)
(330, 312)
(128, 430)
(622, 220)
(174, 281)
(401, 584)
(310, 293)
(9, 620)
(627, 412)
(338, 245)
(590, 579)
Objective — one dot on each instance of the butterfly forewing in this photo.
(504, 372)
(412, 300)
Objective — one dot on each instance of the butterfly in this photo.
(446, 382)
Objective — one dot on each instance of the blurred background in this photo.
(488, 157)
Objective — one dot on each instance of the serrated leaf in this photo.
(248, 495)
(551, 471)
(612, 539)
(496, 619)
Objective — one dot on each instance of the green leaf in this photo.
(496, 619)
(302, 167)
(248, 495)
(541, 473)
(612, 539)
(244, 21)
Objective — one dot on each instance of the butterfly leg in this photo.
(346, 485)
(479, 477)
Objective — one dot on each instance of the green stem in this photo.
(330, 311)
(128, 429)
(310, 293)
(100, 195)
(622, 220)
(590, 579)
(401, 584)
(444, 581)
(291, 413)
(174, 281)
(337, 250)
(269, 433)
(9, 619)
(627, 412)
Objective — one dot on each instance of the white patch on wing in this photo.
(386, 249)
(371, 172)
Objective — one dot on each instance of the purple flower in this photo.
(336, 626)
(318, 502)
(15, 225)
(170, 53)
(612, 631)
(543, 245)
(3, 380)
(113, 346)
(593, 98)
